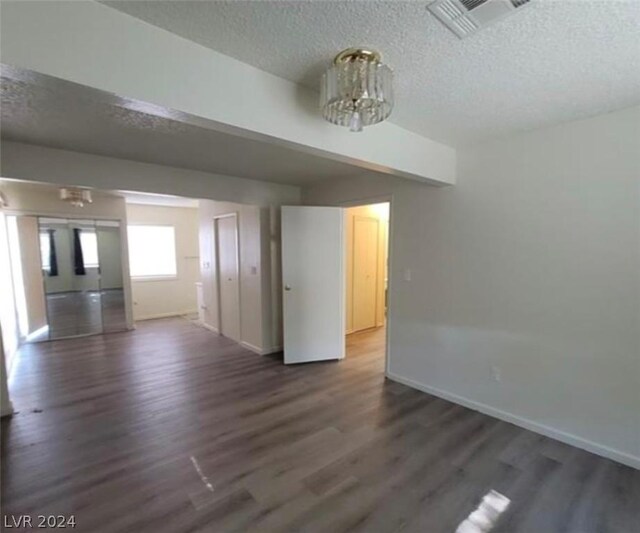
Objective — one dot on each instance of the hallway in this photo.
(172, 428)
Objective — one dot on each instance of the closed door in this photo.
(228, 276)
(365, 272)
(313, 283)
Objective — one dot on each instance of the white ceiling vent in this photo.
(464, 17)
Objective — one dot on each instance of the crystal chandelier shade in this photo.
(357, 90)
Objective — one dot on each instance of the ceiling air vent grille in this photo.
(472, 4)
(465, 17)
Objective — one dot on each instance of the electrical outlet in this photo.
(407, 274)
(497, 373)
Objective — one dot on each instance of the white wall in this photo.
(26, 248)
(260, 329)
(6, 407)
(156, 298)
(10, 337)
(528, 267)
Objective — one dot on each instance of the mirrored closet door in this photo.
(111, 285)
(67, 276)
(71, 275)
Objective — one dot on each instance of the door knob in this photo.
(287, 288)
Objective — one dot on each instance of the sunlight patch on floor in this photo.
(485, 516)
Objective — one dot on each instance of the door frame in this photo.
(216, 242)
(387, 198)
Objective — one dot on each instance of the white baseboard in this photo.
(209, 327)
(260, 351)
(163, 315)
(547, 431)
(273, 349)
(7, 409)
(251, 347)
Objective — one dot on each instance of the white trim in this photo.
(7, 409)
(136, 279)
(258, 350)
(209, 327)
(343, 283)
(164, 315)
(252, 347)
(542, 429)
(36, 333)
(227, 215)
(56, 215)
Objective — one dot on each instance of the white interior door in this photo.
(228, 276)
(313, 283)
(365, 272)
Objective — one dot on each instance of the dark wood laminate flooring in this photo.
(172, 428)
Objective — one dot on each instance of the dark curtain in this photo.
(53, 256)
(78, 260)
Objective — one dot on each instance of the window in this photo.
(45, 252)
(89, 243)
(152, 251)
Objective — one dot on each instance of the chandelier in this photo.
(357, 90)
(76, 197)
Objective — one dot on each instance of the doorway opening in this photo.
(367, 275)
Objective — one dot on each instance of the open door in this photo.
(313, 280)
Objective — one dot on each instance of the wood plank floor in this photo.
(172, 428)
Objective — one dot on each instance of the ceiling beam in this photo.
(96, 46)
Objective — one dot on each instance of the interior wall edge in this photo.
(6, 406)
(526, 423)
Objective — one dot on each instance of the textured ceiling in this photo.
(65, 115)
(555, 60)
